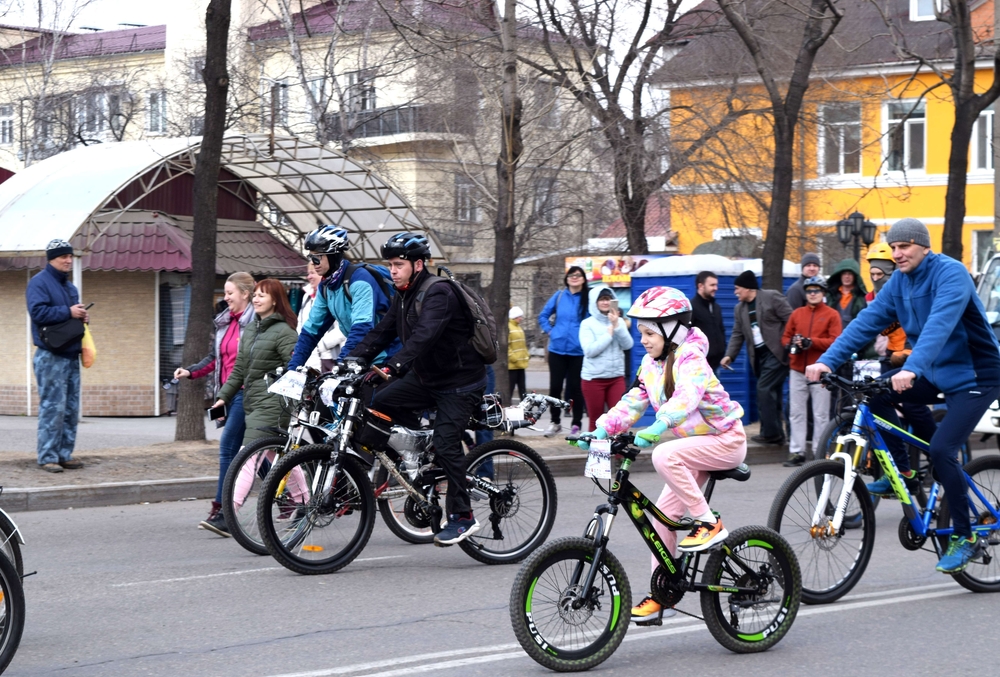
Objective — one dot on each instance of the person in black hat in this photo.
(796, 294)
(52, 301)
(760, 319)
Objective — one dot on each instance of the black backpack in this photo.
(484, 327)
(378, 272)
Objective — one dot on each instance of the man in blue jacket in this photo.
(954, 352)
(357, 304)
(52, 299)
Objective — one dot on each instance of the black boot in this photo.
(216, 521)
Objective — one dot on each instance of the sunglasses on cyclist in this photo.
(814, 290)
(314, 260)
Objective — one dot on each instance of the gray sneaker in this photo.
(553, 430)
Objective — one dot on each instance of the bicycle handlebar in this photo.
(867, 386)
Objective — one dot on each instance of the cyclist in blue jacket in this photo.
(357, 305)
(954, 352)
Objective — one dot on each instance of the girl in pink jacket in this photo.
(690, 402)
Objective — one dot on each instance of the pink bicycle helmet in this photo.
(663, 305)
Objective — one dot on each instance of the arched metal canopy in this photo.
(298, 185)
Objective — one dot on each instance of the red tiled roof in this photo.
(153, 242)
(657, 219)
(75, 45)
(5, 174)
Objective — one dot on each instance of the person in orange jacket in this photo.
(810, 330)
(891, 344)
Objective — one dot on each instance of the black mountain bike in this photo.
(571, 602)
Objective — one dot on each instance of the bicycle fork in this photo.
(819, 513)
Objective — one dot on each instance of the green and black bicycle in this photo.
(571, 602)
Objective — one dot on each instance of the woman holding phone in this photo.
(229, 327)
(604, 337)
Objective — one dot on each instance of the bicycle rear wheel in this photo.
(11, 611)
(831, 562)
(749, 622)
(241, 488)
(519, 516)
(9, 544)
(314, 517)
(560, 625)
(983, 573)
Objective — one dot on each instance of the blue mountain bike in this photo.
(815, 505)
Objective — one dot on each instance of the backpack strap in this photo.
(374, 272)
(424, 286)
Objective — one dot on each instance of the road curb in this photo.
(154, 491)
(110, 493)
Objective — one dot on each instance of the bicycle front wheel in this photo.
(241, 488)
(517, 509)
(11, 611)
(560, 625)
(315, 515)
(749, 622)
(9, 544)
(831, 562)
(983, 573)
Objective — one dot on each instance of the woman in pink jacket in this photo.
(690, 402)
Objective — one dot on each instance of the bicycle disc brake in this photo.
(664, 590)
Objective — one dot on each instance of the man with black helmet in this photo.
(437, 366)
(348, 294)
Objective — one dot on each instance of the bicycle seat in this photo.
(740, 473)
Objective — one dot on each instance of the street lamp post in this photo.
(854, 227)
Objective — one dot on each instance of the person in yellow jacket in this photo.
(891, 343)
(517, 353)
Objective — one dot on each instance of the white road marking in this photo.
(502, 652)
(232, 573)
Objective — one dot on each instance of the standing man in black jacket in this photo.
(706, 314)
(437, 366)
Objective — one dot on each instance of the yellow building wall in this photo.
(699, 207)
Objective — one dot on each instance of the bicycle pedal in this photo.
(649, 622)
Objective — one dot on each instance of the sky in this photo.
(103, 14)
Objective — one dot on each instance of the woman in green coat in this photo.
(267, 344)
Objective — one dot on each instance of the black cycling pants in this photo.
(566, 368)
(403, 396)
(965, 408)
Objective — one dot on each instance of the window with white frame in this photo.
(923, 10)
(545, 201)
(547, 104)
(317, 88)
(6, 125)
(197, 67)
(361, 90)
(91, 115)
(982, 141)
(466, 208)
(840, 138)
(156, 112)
(906, 132)
(274, 98)
(982, 249)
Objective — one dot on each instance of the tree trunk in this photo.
(631, 196)
(506, 224)
(190, 413)
(958, 163)
(781, 202)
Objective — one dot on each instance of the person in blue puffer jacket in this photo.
(954, 352)
(604, 337)
(569, 308)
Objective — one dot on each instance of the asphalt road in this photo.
(140, 591)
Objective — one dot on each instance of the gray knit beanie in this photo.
(809, 257)
(909, 230)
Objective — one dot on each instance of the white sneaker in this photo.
(553, 430)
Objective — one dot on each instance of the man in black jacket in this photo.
(706, 314)
(437, 366)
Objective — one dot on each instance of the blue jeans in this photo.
(491, 385)
(232, 438)
(58, 406)
(965, 408)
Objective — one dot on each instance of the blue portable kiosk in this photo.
(679, 272)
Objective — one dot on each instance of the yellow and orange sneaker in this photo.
(650, 612)
(703, 537)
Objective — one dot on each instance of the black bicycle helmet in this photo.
(328, 239)
(409, 246)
